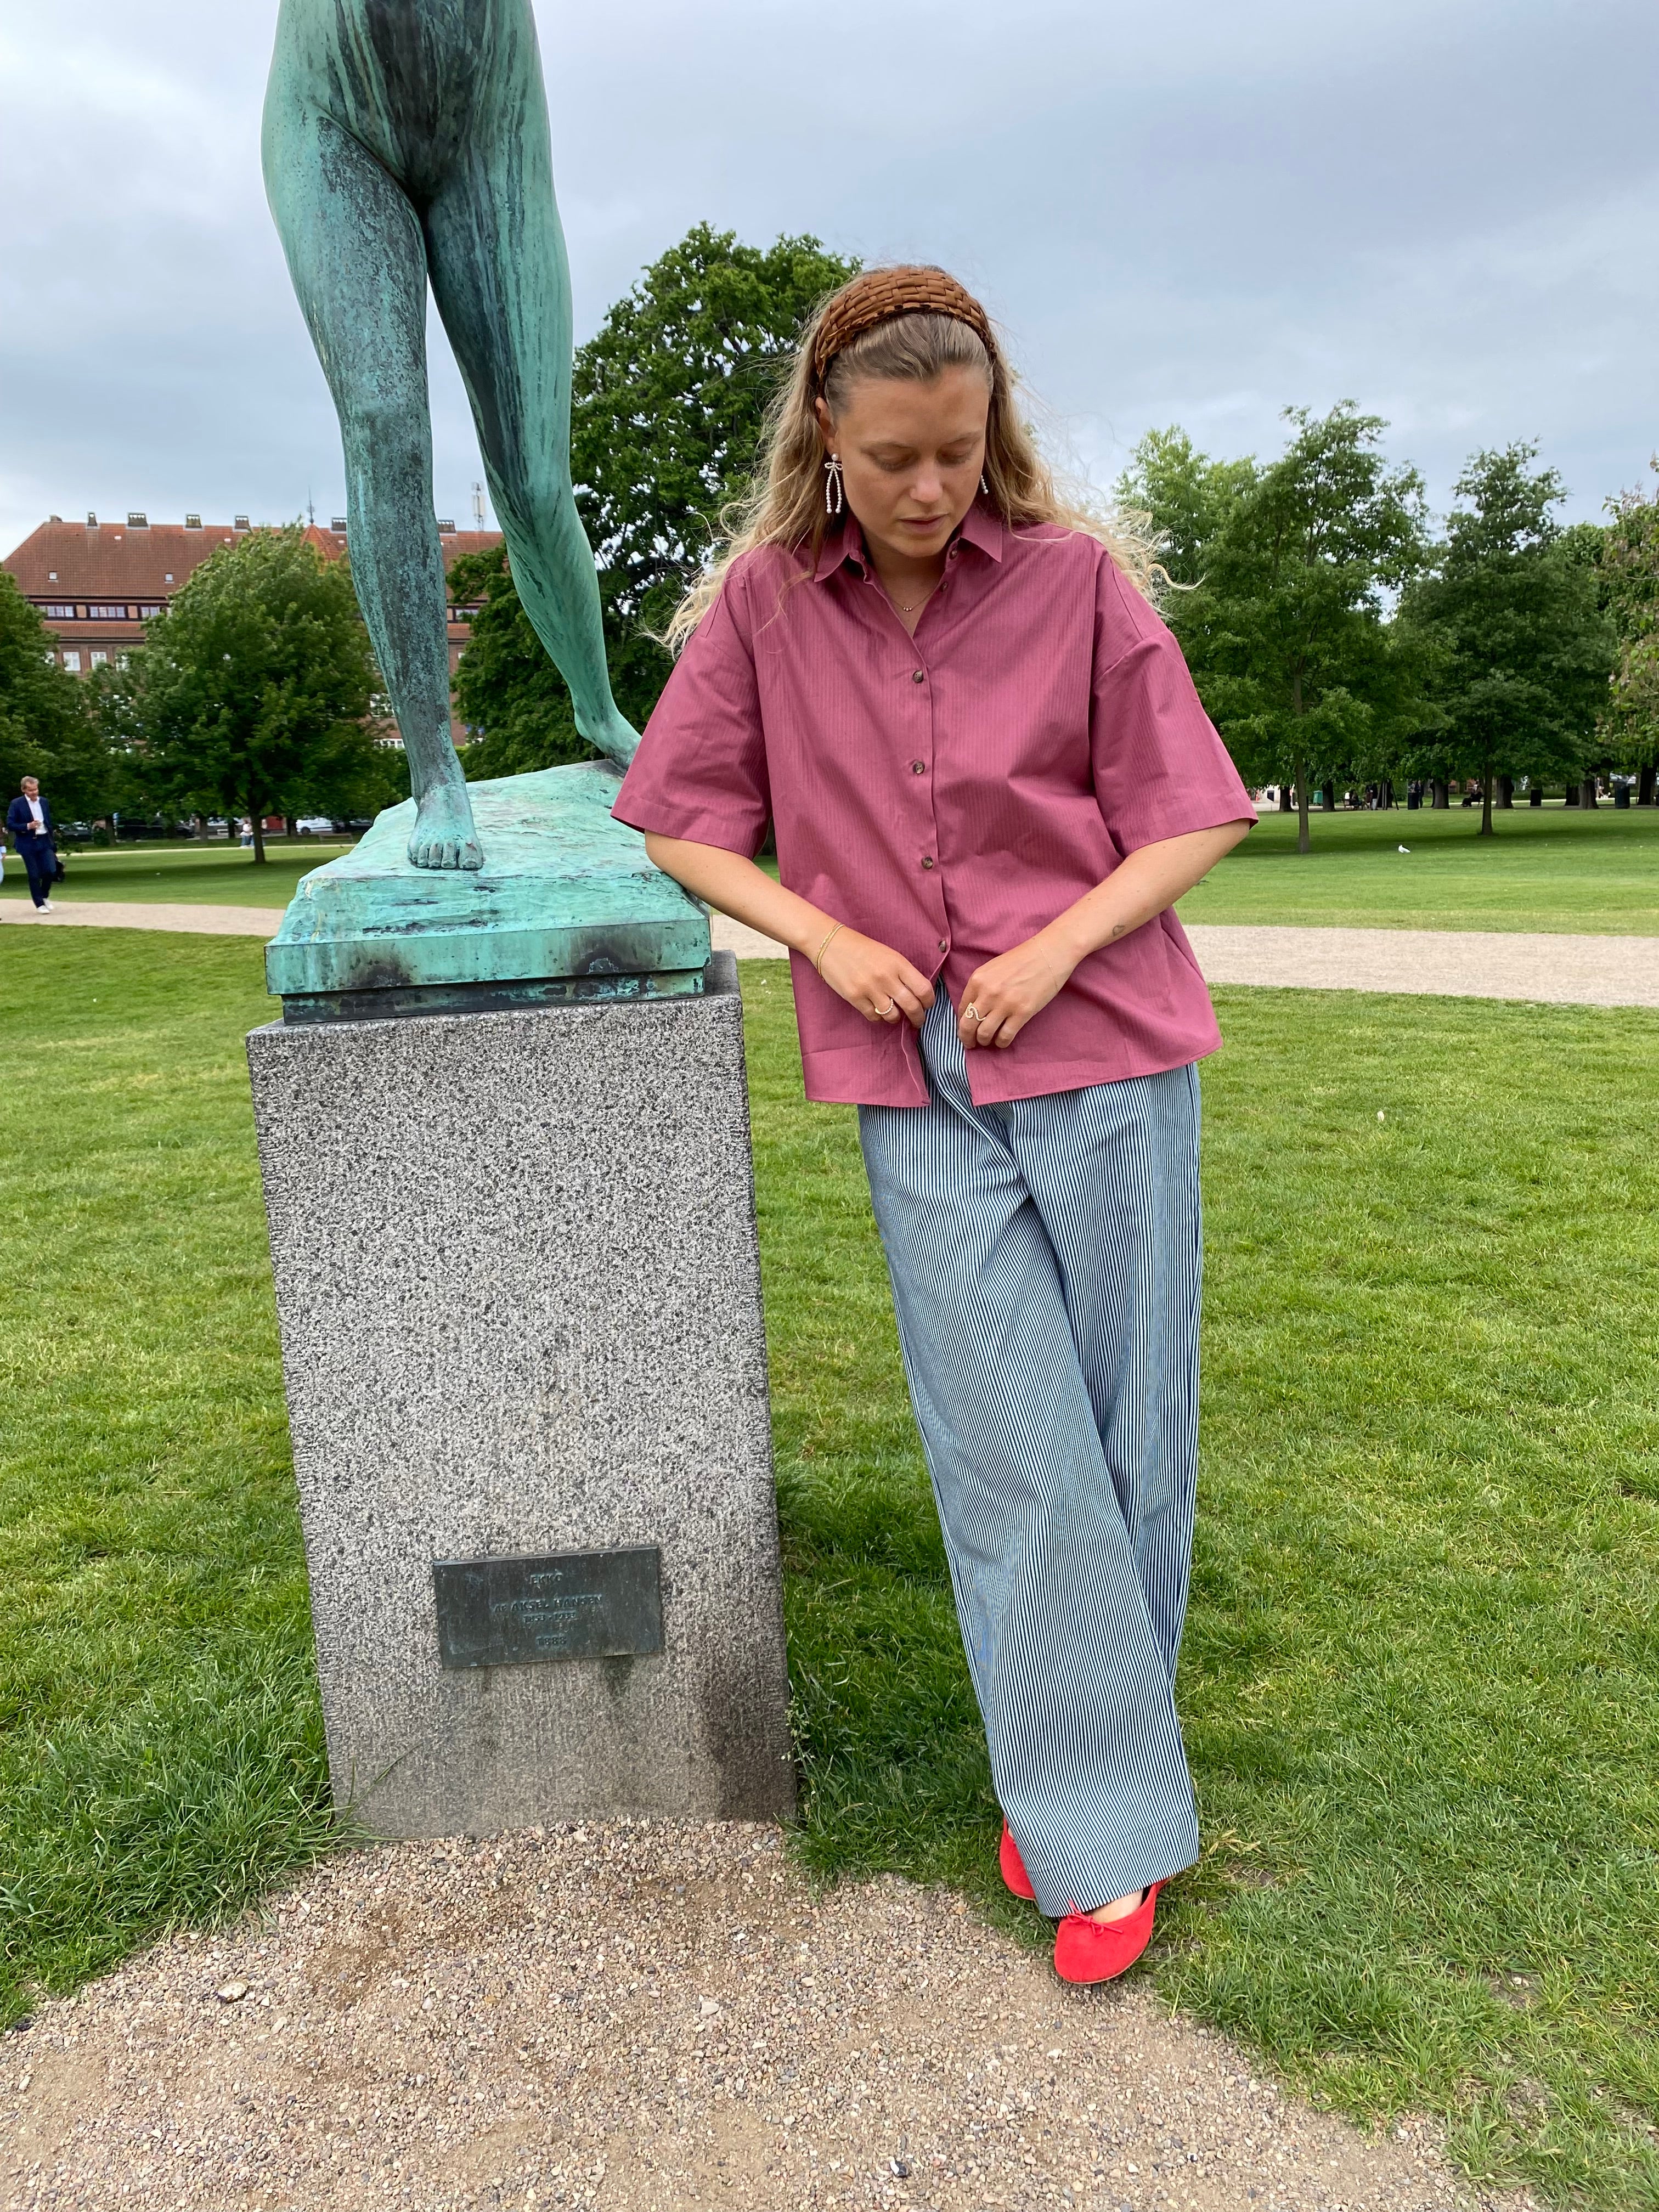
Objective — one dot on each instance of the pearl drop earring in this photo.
(833, 501)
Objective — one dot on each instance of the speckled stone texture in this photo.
(520, 1301)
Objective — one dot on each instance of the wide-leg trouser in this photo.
(1046, 1258)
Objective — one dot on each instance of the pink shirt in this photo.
(950, 793)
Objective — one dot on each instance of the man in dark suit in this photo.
(29, 820)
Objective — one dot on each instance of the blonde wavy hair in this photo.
(785, 503)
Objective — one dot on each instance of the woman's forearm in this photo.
(739, 888)
(1142, 884)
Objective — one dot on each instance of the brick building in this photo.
(97, 583)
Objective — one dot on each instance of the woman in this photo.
(990, 779)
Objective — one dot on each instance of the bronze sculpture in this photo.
(407, 141)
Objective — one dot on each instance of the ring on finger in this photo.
(885, 1011)
(970, 1013)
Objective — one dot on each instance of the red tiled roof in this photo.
(116, 561)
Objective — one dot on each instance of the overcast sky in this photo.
(1447, 210)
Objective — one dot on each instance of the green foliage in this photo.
(44, 727)
(1519, 649)
(1630, 582)
(1190, 499)
(1287, 632)
(669, 397)
(254, 691)
(506, 687)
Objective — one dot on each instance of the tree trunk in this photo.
(1486, 828)
(290, 828)
(1303, 841)
(1327, 793)
(1286, 804)
(1534, 791)
(1442, 791)
(1587, 795)
(256, 815)
(1645, 776)
(1572, 796)
(1506, 791)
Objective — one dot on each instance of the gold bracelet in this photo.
(823, 948)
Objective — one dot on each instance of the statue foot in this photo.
(616, 740)
(444, 835)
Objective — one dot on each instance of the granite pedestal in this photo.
(520, 1301)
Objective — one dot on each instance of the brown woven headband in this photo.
(885, 292)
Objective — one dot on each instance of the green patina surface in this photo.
(565, 891)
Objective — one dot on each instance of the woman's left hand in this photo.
(1002, 996)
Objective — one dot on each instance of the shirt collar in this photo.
(982, 528)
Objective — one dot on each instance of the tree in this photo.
(669, 397)
(1285, 631)
(44, 727)
(1187, 497)
(1630, 592)
(254, 688)
(1519, 649)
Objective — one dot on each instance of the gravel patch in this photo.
(649, 2018)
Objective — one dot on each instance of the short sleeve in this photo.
(700, 772)
(1160, 769)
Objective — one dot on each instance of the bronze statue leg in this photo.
(503, 285)
(358, 260)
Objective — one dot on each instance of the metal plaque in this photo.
(571, 1605)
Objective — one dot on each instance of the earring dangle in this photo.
(984, 483)
(833, 501)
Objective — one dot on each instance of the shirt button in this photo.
(945, 945)
(919, 676)
(928, 861)
(918, 767)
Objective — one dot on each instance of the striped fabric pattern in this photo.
(1046, 1258)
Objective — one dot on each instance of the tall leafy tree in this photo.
(668, 395)
(1630, 590)
(1187, 497)
(1286, 631)
(254, 689)
(1520, 647)
(46, 729)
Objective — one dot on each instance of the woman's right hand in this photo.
(871, 976)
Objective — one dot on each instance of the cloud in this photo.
(1445, 211)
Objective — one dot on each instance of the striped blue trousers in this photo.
(1046, 1258)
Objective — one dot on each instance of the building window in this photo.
(107, 613)
(192, 522)
(72, 662)
(337, 524)
(239, 522)
(59, 611)
(167, 578)
(150, 608)
(100, 659)
(137, 520)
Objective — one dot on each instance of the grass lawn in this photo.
(202, 875)
(1419, 1679)
(1551, 868)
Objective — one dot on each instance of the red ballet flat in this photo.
(1097, 1951)
(1013, 1868)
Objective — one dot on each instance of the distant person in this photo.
(992, 779)
(29, 820)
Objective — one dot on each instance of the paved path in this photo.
(140, 913)
(651, 2018)
(1590, 971)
